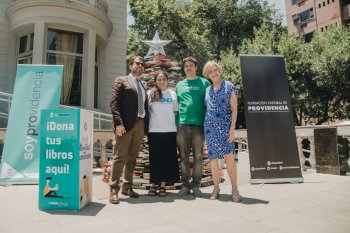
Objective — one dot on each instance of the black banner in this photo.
(273, 151)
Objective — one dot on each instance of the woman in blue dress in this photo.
(219, 127)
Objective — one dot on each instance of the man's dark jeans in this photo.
(190, 138)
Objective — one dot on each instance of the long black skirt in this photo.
(163, 160)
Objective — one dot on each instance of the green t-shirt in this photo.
(190, 94)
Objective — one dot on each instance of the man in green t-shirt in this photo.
(190, 132)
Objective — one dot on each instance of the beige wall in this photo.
(114, 54)
(112, 47)
(296, 9)
(5, 62)
(328, 14)
(324, 15)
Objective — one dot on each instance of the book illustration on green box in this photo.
(50, 191)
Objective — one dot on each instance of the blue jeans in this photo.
(190, 137)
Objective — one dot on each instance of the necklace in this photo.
(216, 88)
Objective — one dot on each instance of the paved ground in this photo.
(320, 204)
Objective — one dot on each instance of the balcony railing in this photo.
(101, 5)
(104, 136)
(102, 121)
(307, 156)
(295, 2)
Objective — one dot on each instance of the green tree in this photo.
(331, 83)
(318, 72)
(135, 44)
(174, 21)
(203, 29)
(231, 21)
(298, 66)
(232, 72)
(274, 40)
(265, 41)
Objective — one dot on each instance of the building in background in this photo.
(305, 17)
(87, 36)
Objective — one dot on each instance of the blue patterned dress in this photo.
(217, 121)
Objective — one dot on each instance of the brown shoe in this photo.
(113, 196)
(131, 193)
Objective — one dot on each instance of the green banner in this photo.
(37, 87)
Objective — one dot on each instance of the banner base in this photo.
(21, 182)
(277, 180)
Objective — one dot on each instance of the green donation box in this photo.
(65, 170)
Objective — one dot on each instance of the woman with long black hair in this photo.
(162, 135)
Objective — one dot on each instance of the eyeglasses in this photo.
(139, 63)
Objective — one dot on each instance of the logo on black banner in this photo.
(267, 106)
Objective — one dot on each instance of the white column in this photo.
(39, 43)
(88, 70)
(300, 150)
(312, 158)
(240, 145)
(348, 138)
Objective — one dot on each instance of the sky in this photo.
(280, 4)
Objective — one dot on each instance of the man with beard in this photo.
(130, 119)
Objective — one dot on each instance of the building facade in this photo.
(87, 36)
(305, 17)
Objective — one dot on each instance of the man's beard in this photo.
(137, 72)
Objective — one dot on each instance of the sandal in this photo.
(162, 192)
(152, 191)
(215, 194)
(235, 196)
